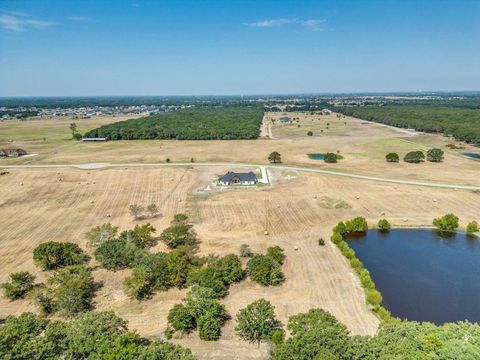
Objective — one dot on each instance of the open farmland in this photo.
(296, 210)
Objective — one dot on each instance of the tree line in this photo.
(226, 123)
(461, 123)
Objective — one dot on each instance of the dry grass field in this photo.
(39, 205)
(363, 146)
(297, 210)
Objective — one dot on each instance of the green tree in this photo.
(383, 225)
(472, 227)
(265, 270)
(231, 268)
(358, 224)
(435, 155)
(77, 136)
(448, 222)
(181, 319)
(136, 210)
(139, 285)
(179, 219)
(152, 209)
(118, 254)
(257, 322)
(276, 253)
(414, 157)
(140, 236)
(275, 157)
(18, 285)
(179, 235)
(330, 158)
(52, 255)
(177, 264)
(100, 234)
(73, 129)
(392, 157)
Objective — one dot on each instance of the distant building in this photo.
(233, 178)
(285, 119)
(326, 112)
(94, 139)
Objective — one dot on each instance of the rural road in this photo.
(93, 166)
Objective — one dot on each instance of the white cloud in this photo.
(310, 24)
(80, 18)
(22, 22)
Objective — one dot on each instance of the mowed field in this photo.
(298, 209)
(363, 146)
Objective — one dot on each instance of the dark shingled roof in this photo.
(250, 176)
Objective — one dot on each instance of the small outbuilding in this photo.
(233, 178)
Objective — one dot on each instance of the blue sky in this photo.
(141, 47)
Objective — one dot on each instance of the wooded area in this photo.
(461, 123)
(188, 124)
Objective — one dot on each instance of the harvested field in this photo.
(38, 205)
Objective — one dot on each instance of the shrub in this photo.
(383, 225)
(435, 155)
(136, 210)
(392, 157)
(257, 321)
(340, 228)
(72, 290)
(245, 251)
(358, 224)
(212, 277)
(278, 337)
(448, 222)
(181, 319)
(178, 268)
(42, 297)
(140, 235)
(179, 235)
(152, 209)
(336, 238)
(18, 285)
(231, 269)
(276, 253)
(118, 254)
(209, 327)
(100, 234)
(321, 242)
(472, 227)
(374, 297)
(179, 218)
(414, 157)
(77, 136)
(52, 255)
(310, 133)
(139, 284)
(330, 158)
(265, 270)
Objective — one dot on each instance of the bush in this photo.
(139, 284)
(140, 236)
(179, 235)
(374, 297)
(212, 277)
(448, 222)
(179, 218)
(178, 268)
(330, 158)
(72, 289)
(265, 270)
(383, 225)
(310, 133)
(358, 224)
(100, 234)
(435, 155)
(19, 284)
(209, 327)
(473, 227)
(118, 254)
(336, 238)
(340, 228)
(414, 157)
(52, 255)
(181, 319)
(136, 210)
(321, 242)
(392, 157)
(231, 269)
(276, 253)
(257, 321)
(77, 136)
(245, 251)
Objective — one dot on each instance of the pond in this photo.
(422, 275)
(472, 155)
(315, 156)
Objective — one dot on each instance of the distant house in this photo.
(233, 178)
(326, 112)
(94, 139)
(285, 119)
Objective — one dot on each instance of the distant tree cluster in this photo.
(267, 269)
(433, 155)
(223, 123)
(460, 122)
(448, 222)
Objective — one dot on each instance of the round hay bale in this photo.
(357, 197)
(295, 248)
(405, 220)
(108, 215)
(265, 232)
(382, 213)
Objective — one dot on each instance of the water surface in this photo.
(423, 275)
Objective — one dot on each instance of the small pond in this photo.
(472, 155)
(315, 156)
(423, 275)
